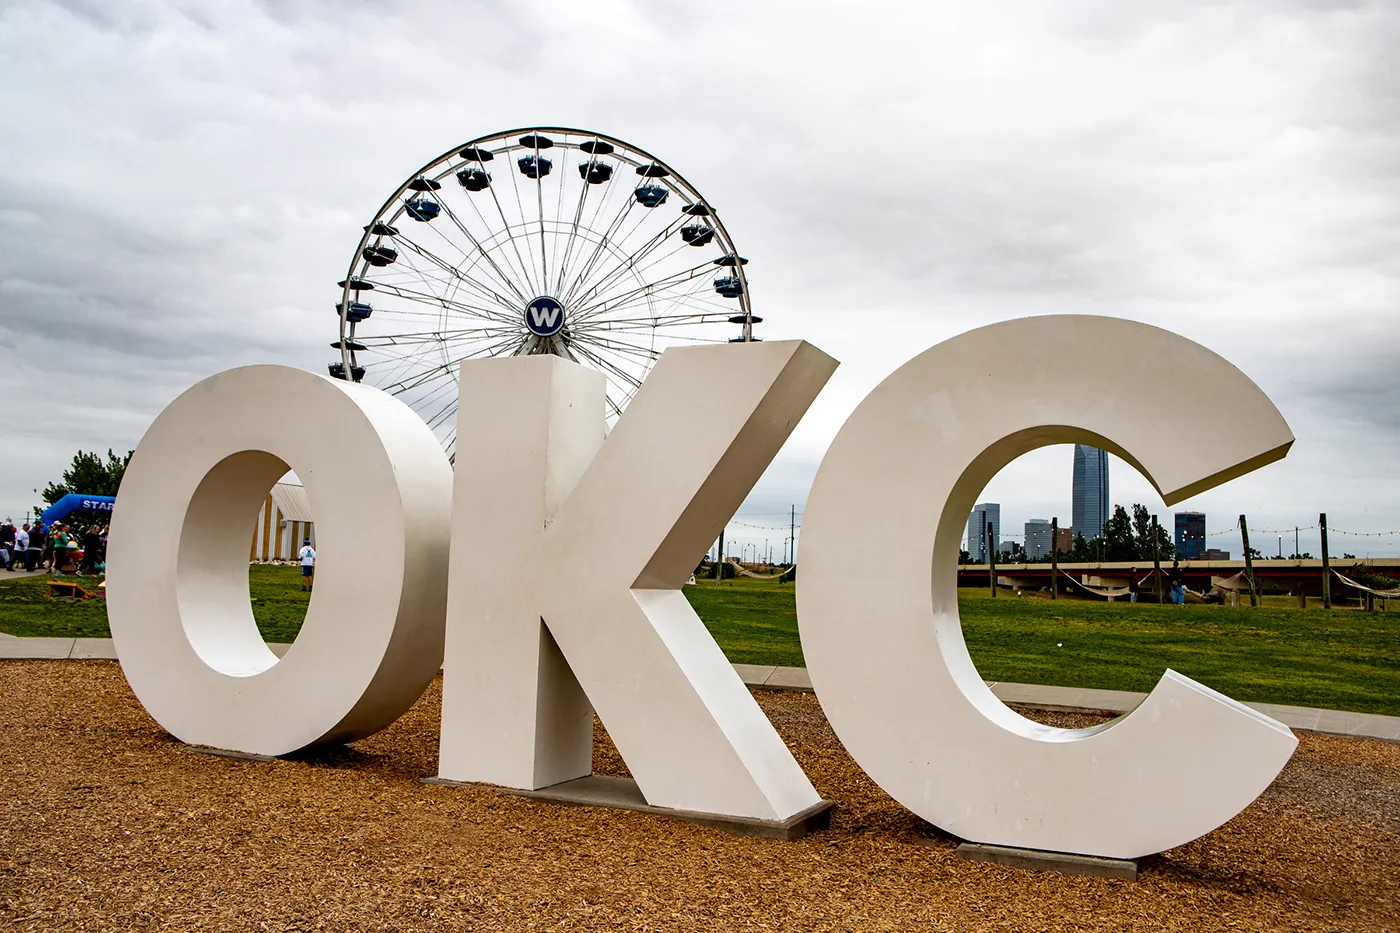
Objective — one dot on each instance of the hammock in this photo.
(1238, 582)
(745, 572)
(1384, 594)
(1113, 592)
(1108, 592)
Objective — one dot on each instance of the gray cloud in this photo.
(185, 181)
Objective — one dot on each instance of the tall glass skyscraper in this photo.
(1090, 508)
(982, 513)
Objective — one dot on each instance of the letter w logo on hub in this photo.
(568, 557)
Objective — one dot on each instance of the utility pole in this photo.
(1297, 554)
(991, 560)
(1157, 558)
(719, 558)
(792, 535)
(1248, 562)
(1055, 557)
(1326, 564)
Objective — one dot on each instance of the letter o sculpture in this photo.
(884, 644)
(380, 490)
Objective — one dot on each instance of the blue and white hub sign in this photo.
(544, 316)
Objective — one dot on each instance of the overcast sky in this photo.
(183, 184)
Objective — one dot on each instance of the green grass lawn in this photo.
(1342, 659)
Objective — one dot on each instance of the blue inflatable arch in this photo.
(76, 503)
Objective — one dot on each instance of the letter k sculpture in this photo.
(570, 547)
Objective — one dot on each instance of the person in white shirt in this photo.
(21, 544)
(308, 564)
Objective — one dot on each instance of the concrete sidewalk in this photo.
(1329, 721)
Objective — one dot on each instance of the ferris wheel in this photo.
(536, 240)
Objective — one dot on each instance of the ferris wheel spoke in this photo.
(611, 368)
(690, 298)
(641, 293)
(379, 341)
(455, 276)
(484, 254)
(449, 367)
(507, 271)
(519, 288)
(539, 203)
(636, 355)
(408, 294)
(520, 204)
(442, 276)
(628, 262)
(600, 296)
(599, 205)
(607, 236)
(506, 225)
(573, 229)
(650, 322)
(400, 368)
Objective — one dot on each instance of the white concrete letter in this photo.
(177, 584)
(884, 644)
(568, 556)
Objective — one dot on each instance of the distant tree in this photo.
(1082, 551)
(1143, 533)
(1363, 574)
(1119, 542)
(963, 556)
(88, 475)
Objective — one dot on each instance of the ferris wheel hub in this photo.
(544, 316)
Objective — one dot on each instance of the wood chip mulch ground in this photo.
(110, 824)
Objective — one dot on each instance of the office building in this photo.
(977, 543)
(1038, 543)
(1090, 506)
(1190, 534)
(1065, 541)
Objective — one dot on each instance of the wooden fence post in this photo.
(991, 560)
(1156, 559)
(1326, 564)
(1248, 562)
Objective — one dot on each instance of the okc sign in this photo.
(560, 593)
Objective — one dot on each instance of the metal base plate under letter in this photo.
(1062, 862)
(623, 794)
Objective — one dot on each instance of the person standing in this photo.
(308, 565)
(38, 543)
(1132, 584)
(1177, 580)
(22, 550)
(58, 549)
(92, 549)
(7, 544)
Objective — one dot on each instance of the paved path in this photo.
(1330, 721)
